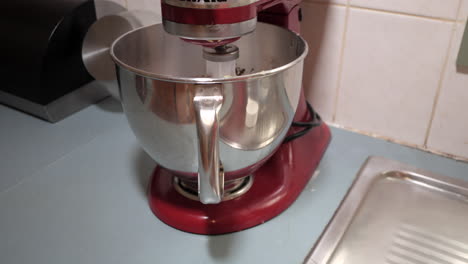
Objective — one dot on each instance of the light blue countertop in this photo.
(74, 192)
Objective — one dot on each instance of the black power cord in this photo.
(307, 126)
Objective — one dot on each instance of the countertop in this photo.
(74, 192)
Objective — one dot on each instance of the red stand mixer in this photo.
(236, 147)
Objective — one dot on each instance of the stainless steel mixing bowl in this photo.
(209, 127)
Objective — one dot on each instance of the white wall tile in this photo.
(322, 27)
(391, 68)
(109, 7)
(433, 8)
(149, 5)
(449, 132)
(340, 2)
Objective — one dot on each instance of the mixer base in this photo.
(276, 185)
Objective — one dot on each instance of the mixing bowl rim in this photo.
(208, 80)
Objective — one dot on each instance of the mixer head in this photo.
(209, 23)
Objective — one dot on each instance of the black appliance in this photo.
(42, 69)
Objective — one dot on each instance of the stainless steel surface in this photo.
(158, 74)
(208, 4)
(60, 108)
(108, 7)
(232, 189)
(210, 32)
(97, 42)
(101, 35)
(394, 213)
(207, 102)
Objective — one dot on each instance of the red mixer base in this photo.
(276, 185)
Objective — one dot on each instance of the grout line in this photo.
(376, 135)
(383, 11)
(403, 143)
(441, 80)
(340, 63)
(404, 14)
(126, 4)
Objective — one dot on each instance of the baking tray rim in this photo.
(373, 169)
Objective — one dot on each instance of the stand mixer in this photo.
(216, 98)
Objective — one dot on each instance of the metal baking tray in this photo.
(394, 214)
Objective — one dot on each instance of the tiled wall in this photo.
(385, 68)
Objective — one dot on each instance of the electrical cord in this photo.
(315, 122)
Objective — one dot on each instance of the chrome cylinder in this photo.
(163, 81)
